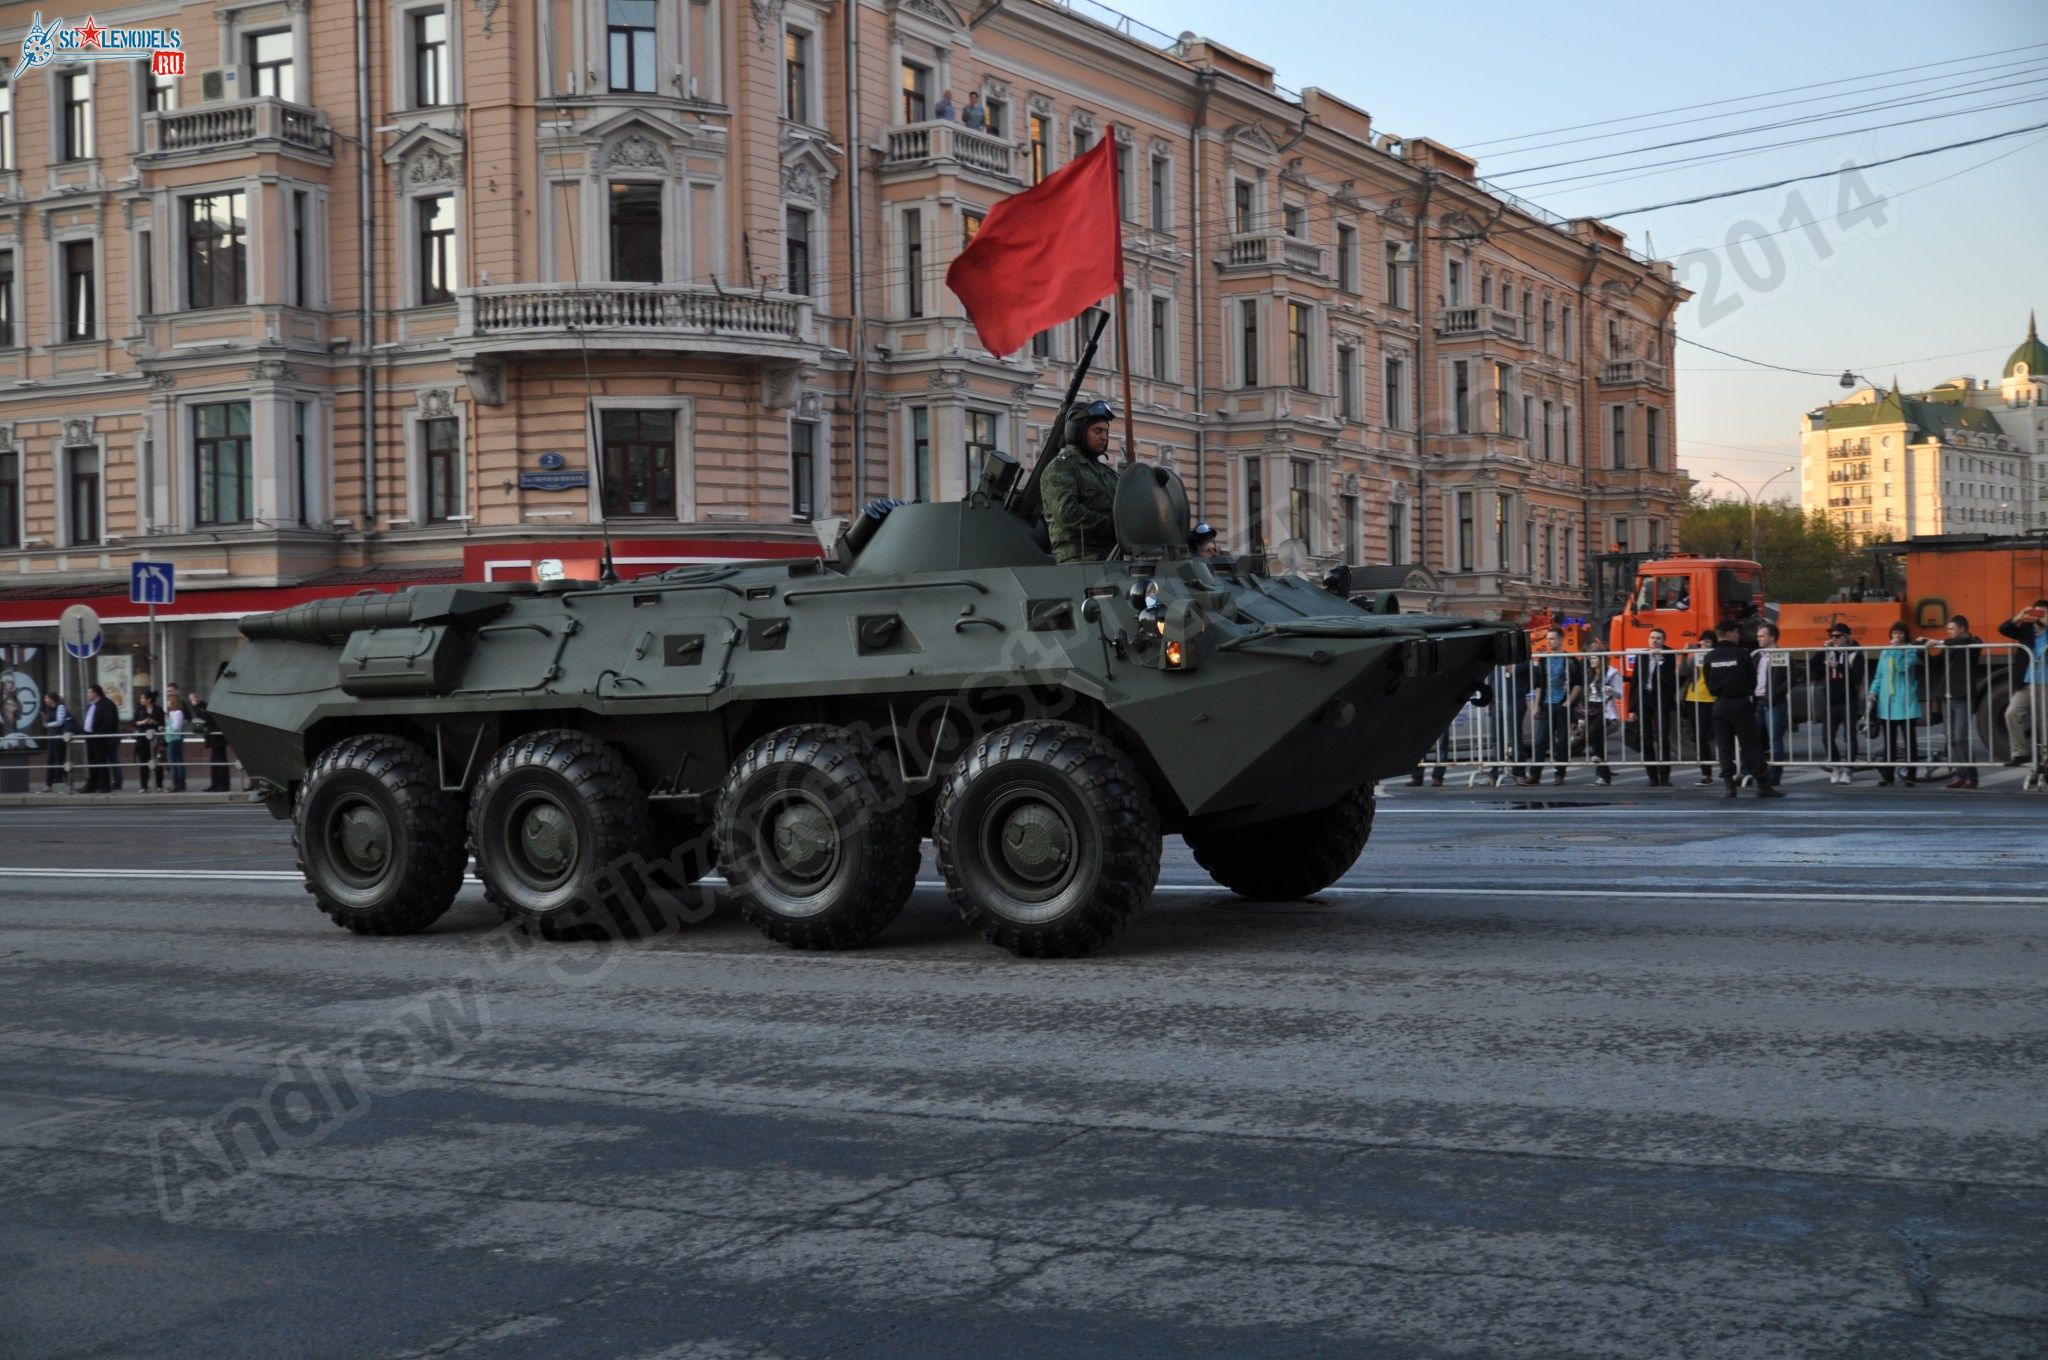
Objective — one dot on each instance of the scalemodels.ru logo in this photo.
(64, 44)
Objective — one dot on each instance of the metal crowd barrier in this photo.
(1905, 714)
(48, 764)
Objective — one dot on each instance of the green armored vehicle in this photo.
(803, 726)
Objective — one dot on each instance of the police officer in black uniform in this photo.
(1730, 669)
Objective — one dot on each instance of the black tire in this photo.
(1091, 850)
(818, 842)
(379, 843)
(561, 835)
(1290, 857)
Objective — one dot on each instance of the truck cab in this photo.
(1686, 596)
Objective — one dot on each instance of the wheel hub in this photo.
(548, 838)
(1036, 843)
(364, 839)
(802, 844)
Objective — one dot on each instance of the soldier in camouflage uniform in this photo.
(1078, 489)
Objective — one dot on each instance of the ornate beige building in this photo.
(341, 308)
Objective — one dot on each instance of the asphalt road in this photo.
(1586, 1073)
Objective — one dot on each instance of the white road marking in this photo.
(1587, 892)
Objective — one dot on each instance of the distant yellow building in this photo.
(1963, 457)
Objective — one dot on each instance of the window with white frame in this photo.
(75, 141)
(82, 526)
(428, 65)
(159, 92)
(635, 213)
(441, 465)
(629, 46)
(216, 250)
(80, 281)
(1347, 258)
(270, 59)
(1162, 338)
(796, 246)
(434, 248)
(6, 126)
(8, 310)
(917, 91)
(797, 74)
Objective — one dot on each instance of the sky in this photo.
(1924, 269)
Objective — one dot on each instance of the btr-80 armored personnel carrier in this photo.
(804, 725)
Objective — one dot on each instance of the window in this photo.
(1293, 219)
(145, 275)
(917, 92)
(1397, 388)
(1301, 502)
(1653, 435)
(1041, 345)
(81, 296)
(6, 299)
(629, 36)
(981, 442)
(159, 93)
(639, 464)
(441, 443)
(1617, 437)
(216, 251)
(803, 468)
(1162, 357)
(1162, 197)
(1503, 380)
(1126, 188)
(1549, 328)
(1547, 452)
(1347, 383)
(1347, 258)
(1486, 290)
(796, 78)
(429, 58)
(1503, 535)
(1397, 531)
(269, 56)
(636, 233)
(1548, 566)
(82, 497)
(998, 111)
(1657, 534)
(1620, 534)
(1298, 317)
(436, 248)
(1565, 444)
(1507, 296)
(1255, 505)
(1461, 397)
(74, 93)
(920, 453)
(1528, 428)
(6, 126)
(1454, 281)
(1241, 205)
(10, 499)
(303, 481)
(1567, 568)
(1084, 327)
(1038, 148)
(300, 291)
(1348, 508)
(220, 457)
(1613, 338)
(1397, 293)
(1570, 343)
(1083, 139)
(1248, 343)
(913, 262)
(1464, 531)
(796, 245)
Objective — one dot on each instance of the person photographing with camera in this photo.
(2029, 628)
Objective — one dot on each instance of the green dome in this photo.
(2031, 352)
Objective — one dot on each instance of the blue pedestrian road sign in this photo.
(152, 583)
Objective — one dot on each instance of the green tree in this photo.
(1804, 556)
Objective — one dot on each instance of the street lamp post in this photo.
(1753, 497)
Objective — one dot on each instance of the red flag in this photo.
(1046, 255)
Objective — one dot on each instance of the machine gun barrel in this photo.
(1024, 502)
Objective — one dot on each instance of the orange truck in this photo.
(1923, 581)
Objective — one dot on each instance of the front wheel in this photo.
(1289, 857)
(1047, 839)
(379, 843)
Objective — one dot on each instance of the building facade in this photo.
(1966, 456)
(352, 306)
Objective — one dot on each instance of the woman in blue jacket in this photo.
(1895, 702)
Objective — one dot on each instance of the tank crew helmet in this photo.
(1201, 536)
(1086, 414)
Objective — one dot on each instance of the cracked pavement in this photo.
(1787, 1100)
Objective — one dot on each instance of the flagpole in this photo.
(1123, 315)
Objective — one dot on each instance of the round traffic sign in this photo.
(79, 629)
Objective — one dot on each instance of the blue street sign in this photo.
(152, 583)
(554, 481)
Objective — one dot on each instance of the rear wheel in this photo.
(818, 843)
(561, 836)
(1288, 857)
(379, 843)
(1047, 839)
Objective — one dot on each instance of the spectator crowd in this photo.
(170, 739)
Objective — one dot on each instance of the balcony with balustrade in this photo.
(1252, 252)
(641, 317)
(233, 129)
(941, 146)
(1477, 323)
(1635, 373)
